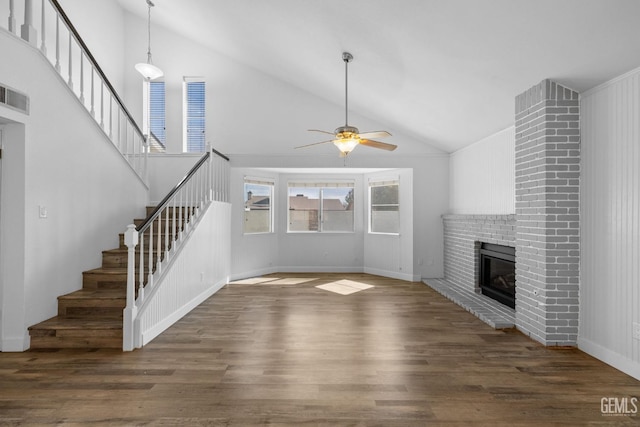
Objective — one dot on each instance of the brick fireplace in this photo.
(545, 229)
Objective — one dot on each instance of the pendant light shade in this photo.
(147, 69)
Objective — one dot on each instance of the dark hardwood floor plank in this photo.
(394, 355)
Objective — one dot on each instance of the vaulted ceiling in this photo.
(445, 72)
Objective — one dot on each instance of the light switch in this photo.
(42, 211)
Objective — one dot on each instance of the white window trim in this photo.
(380, 182)
(320, 184)
(185, 80)
(267, 182)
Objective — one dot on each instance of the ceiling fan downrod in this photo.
(346, 57)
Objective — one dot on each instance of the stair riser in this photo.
(146, 241)
(121, 260)
(170, 209)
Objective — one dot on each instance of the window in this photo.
(320, 207)
(194, 115)
(157, 113)
(258, 211)
(154, 115)
(384, 208)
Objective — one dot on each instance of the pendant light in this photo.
(147, 69)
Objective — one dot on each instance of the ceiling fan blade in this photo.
(315, 143)
(321, 131)
(376, 134)
(378, 144)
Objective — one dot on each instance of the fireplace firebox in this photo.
(498, 273)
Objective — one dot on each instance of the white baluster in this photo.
(101, 103)
(166, 232)
(81, 76)
(150, 279)
(57, 43)
(119, 142)
(141, 271)
(93, 97)
(12, 18)
(27, 31)
(159, 244)
(130, 311)
(70, 82)
(174, 231)
(43, 45)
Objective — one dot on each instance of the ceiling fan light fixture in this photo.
(346, 145)
(147, 69)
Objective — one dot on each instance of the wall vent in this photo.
(13, 99)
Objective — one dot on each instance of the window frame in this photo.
(260, 182)
(148, 117)
(321, 185)
(383, 183)
(186, 117)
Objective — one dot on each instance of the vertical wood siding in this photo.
(610, 229)
(482, 176)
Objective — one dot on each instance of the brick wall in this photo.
(547, 213)
(462, 237)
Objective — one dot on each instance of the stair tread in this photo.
(59, 322)
(110, 270)
(95, 294)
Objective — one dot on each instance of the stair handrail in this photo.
(164, 229)
(95, 64)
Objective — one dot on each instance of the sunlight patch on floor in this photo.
(344, 287)
(291, 281)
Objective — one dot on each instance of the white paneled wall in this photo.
(610, 229)
(482, 176)
(200, 269)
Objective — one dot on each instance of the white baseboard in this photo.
(609, 357)
(253, 273)
(291, 269)
(393, 274)
(16, 344)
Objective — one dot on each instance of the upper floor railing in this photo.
(44, 25)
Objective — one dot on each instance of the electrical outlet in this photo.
(636, 331)
(42, 211)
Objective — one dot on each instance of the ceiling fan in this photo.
(346, 137)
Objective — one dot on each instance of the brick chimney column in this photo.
(547, 213)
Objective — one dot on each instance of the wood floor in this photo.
(398, 354)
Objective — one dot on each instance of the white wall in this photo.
(64, 162)
(165, 171)
(610, 223)
(482, 176)
(418, 253)
(386, 254)
(251, 254)
(101, 26)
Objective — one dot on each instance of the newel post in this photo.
(130, 311)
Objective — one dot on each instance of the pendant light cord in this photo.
(150, 4)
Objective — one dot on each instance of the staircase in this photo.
(92, 316)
